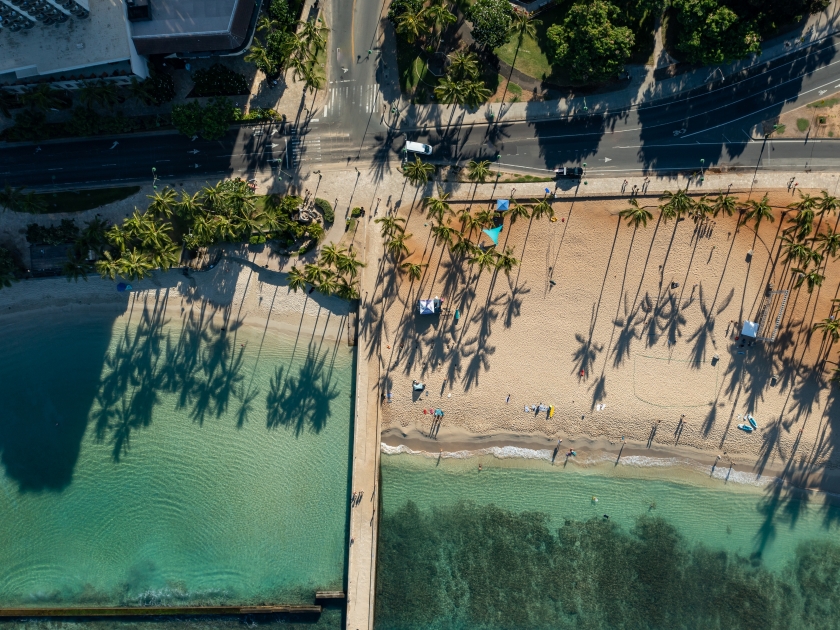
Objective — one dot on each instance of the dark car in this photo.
(573, 172)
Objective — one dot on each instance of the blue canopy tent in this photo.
(502, 205)
(494, 234)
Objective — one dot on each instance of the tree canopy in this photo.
(589, 42)
(491, 20)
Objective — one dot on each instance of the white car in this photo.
(418, 147)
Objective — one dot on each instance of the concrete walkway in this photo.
(643, 87)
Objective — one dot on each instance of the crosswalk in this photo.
(305, 148)
(351, 98)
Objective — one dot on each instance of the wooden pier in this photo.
(157, 611)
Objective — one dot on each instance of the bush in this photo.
(326, 210)
(29, 126)
(802, 124)
(280, 11)
(355, 213)
(588, 42)
(161, 87)
(258, 114)
(219, 80)
(491, 22)
(211, 121)
(65, 232)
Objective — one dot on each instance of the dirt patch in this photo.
(818, 119)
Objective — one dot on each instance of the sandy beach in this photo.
(628, 333)
(231, 295)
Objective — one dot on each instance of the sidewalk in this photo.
(643, 87)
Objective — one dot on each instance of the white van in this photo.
(418, 147)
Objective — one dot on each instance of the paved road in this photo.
(353, 129)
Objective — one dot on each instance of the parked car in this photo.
(573, 172)
(418, 147)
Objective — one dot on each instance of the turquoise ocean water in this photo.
(157, 462)
(522, 544)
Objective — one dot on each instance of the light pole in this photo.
(702, 162)
(154, 178)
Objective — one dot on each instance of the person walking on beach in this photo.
(508, 399)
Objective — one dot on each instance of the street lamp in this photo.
(154, 178)
(702, 162)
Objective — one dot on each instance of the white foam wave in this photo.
(722, 472)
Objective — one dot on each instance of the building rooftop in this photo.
(77, 44)
(193, 26)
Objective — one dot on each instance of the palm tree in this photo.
(313, 33)
(463, 247)
(506, 262)
(418, 172)
(98, 93)
(134, 265)
(260, 57)
(463, 65)
(813, 278)
(75, 267)
(485, 218)
(117, 237)
(517, 210)
(163, 201)
(331, 253)
(803, 222)
(443, 234)
(42, 97)
(478, 172)
(296, 279)
(414, 270)
(757, 211)
(676, 204)
(314, 274)
(794, 250)
(189, 206)
(329, 284)
(702, 207)
(475, 93)
(451, 91)
(347, 290)
(483, 258)
(266, 23)
(153, 235)
(828, 204)
(107, 266)
(636, 215)
(411, 25)
(724, 203)
(543, 207)
(437, 206)
(141, 91)
(349, 265)
(390, 225)
(830, 326)
(396, 246)
(830, 242)
(439, 15)
(166, 256)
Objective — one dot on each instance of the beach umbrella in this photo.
(502, 205)
(493, 234)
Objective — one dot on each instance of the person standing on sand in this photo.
(508, 399)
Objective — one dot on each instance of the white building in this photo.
(68, 42)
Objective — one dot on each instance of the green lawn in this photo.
(532, 60)
(81, 200)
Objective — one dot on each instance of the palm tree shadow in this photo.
(512, 302)
(628, 326)
(304, 400)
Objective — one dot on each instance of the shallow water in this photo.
(151, 461)
(523, 544)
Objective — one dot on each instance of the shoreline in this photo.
(457, 443)
(241, 304)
